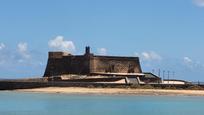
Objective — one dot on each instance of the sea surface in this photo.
(22, 103)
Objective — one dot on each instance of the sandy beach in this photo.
(115, 91)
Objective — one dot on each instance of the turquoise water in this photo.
(18, 103)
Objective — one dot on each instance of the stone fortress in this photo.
(62, 66)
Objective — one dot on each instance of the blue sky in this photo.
(165, 34)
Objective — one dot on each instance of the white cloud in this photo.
(21, 62)
(149, 56)
(23, 50)
(102, 51)
(187, 60)
(199, 2)
(59, 43)
(2, 46)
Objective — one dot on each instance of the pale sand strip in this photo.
(115, 91)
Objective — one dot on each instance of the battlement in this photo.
(58, 54)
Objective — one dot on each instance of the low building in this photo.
(174, 82)
(151, 78)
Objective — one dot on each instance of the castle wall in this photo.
(76, 65)
(55, 67)
(115, 64)
(59, 65)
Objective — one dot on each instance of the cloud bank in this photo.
(60, 44)
(20, 62)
